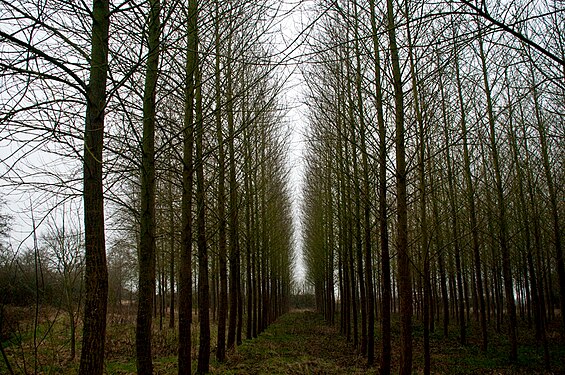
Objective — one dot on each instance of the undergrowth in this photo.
(300, 342)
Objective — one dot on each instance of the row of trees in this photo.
(184, 145)
(435, 169)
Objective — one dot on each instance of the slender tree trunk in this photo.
(147, 247)
(238, 339)
(331, 243)
(203, 282)
(404, 277)
(444, 295)
(441, 264)
(172, 259)
(233, 212)
(185, 271)
(356, 217)
(424, 245)
(502, 219)
(455, 230)
(382, 192)
(368, 305)
(255, 261)
(249, 209)
(343, 212)
(470, 190)
(96, 271)
(222, 239)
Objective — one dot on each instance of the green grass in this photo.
(120, 368)
(298, 343)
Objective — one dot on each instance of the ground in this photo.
(299, 342)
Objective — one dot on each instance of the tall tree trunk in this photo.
(330, 256)
(185, 271)
(470, 192)
(356, 217)
(249, 235)
(222, 239)
(96, 270)
(455, 222)
(441, 264)
(203, 282)
(365, 274)
(257, 252)
(368, 290)
(404, 277)
(424, 245)
(233, 212)
(172, 259)
(382, 192)
(502, 219)
(146, 254)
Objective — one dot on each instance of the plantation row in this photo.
(435, 171)
(184, 175)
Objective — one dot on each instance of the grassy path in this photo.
(298, 343)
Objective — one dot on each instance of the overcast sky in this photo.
(27, 205)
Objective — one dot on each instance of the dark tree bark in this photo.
(362, 191)
(222, 244)
(470, 193)
(502, 219)
(172, 259)
(203, 281)
(249, 208)
(455, 231)
(96, 271)
(404, 274)
(354, 225)
(441, 263)
(233, 212)
(146, 254)
(382, 215)
(424, 241)
(185, 271)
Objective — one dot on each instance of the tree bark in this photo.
(470, 192)
(96, 270)
(222, 245)
(382, 215)
(502, 219)
(185, 271)
(404, 274)
(203, 281)
(233, 212)
(146, 254)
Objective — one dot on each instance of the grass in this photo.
(298, 343)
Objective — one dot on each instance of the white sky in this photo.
(22, 201)
(291, 49)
